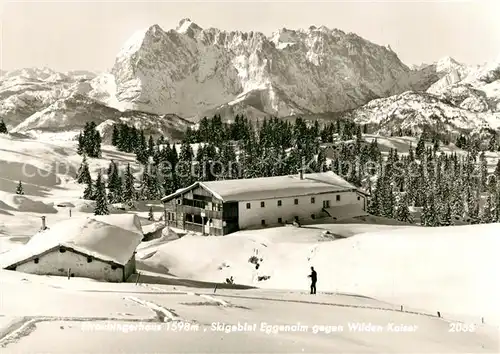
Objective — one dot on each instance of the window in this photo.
(313, 200)
(262, 204)
(36, 260)
(296, 201)
(359, 198)
(313, 216)
(178, 201)
(326, 203)
(279, 202)
(248, 205)
(113, 267)
(62, 249)
(280, 221)
(338, 197)
(263, 222)
(89, 259)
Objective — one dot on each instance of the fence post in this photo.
(69, 273)
(137, 279)
(215, 289)
(439, 314)
(401, 308)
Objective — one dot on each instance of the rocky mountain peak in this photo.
(447, 64)
(186, 26)
(189, 70)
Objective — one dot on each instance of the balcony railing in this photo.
(211, 214)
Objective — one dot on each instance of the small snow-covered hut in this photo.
(98, 247)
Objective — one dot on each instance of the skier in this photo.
(314, 279)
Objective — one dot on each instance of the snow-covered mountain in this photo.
(42, 100)
(464, 98)
(190, 70)
(72, 112)
(25, 92)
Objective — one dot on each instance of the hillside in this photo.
(38, 101)
(465, 98)
(178, 277)
(85, 316)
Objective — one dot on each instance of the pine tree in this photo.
(101, 202)
(88, 193)
(487, 214)
(497, 170)
(483, 171)
(496, 208)
(185, 165)
(83, 175)
(115, 137)
(89, 142)
(403, 211)
(432, 217)
(420, 150)
(151, 146)
(80, 149)
(150, 189)
(446, 219)
(3, 127)
(114, 183)
(492, 144)
(19, 189)
(129, 193)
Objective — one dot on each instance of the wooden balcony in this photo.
(210, 214)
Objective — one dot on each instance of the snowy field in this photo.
(79, 316)
(366, 272)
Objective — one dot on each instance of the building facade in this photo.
(223, 207)
(66, 261)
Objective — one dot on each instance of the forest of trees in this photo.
(89, 141)
(443, 185)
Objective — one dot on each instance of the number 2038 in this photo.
(458, 327)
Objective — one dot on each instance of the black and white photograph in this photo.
(249, 176)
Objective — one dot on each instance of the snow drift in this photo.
(447, 269)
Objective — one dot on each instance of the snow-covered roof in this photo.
(273, 187)
(112, 238)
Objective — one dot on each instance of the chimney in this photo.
(43, 223)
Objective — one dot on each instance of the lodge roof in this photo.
(272, 187)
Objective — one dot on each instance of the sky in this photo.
(87, 35)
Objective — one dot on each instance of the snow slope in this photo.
(80, 316)
(47, 170)
(425, 270)
(437, 269)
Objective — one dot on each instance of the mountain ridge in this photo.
(186, 73)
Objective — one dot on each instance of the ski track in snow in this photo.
(23, 326)
(205, 296)
(162, 313)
